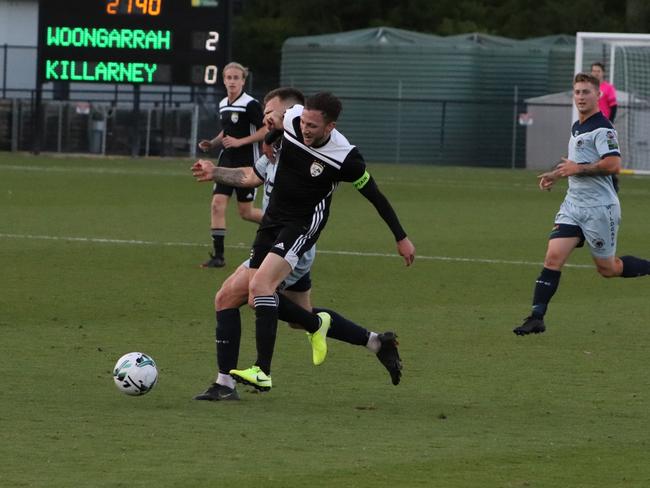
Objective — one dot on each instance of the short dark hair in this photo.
(587, 78)
(286, 93)
(327, 103)
(599, 64)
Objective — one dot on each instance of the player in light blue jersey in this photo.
(591, 211)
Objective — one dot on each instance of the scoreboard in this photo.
(179, 42)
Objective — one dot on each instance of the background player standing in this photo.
(242, 129)
(607, 101)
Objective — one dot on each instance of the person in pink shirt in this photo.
(607, 101)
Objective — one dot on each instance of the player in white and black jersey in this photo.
(591, 210)
(233, 292)
(315, 158)
(242, 130)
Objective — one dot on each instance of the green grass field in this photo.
(100, 257)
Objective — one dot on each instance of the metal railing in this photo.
(419, 131)
(161, 128)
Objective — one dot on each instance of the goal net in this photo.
(627, 62)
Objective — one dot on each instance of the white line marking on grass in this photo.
(101, 240)
(96, 170)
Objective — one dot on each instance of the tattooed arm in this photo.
(609, 165)
(244, 177)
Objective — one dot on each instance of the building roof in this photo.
(375, 36)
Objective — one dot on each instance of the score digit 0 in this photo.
(211, 74)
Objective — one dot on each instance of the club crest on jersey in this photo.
(316, 168)
(234, 117)
(612, 143)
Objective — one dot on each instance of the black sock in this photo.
(266, 325)
(291, 312)
(634, 267)
(228, 335)
(218, 236)
(345, 330)
(545, 288)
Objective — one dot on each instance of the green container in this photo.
(417, 98)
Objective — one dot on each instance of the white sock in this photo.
(226, 380)
(373, 342)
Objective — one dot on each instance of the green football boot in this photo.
(318, 339)
(252, 376)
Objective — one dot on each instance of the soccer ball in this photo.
(135, 373)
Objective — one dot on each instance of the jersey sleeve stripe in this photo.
(326, 159)
(316, 220)
(232, 108)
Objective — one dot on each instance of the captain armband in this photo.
(361, 182)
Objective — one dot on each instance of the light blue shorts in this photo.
(598, 224)
(302, 267)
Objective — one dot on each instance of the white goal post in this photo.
(627, 61)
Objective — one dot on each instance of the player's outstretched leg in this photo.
(384, 346)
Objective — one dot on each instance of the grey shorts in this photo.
(599, 225)
(301, 269)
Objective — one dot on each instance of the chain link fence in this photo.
(405, 131)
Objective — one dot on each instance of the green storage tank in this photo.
(417, 98)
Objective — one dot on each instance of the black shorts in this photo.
(287, 241)
(567, 230)
(243, 194)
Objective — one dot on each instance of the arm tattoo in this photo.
(229, 176)
(592, 169)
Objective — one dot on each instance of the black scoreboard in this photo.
(179, 42)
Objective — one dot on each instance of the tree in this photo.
(262, 26)
(637, 15)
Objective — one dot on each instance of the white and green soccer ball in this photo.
(135, 373)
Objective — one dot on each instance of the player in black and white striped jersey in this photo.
(315, 158)
(233, 292)
(242, 130)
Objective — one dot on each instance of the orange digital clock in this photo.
(134, 7)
